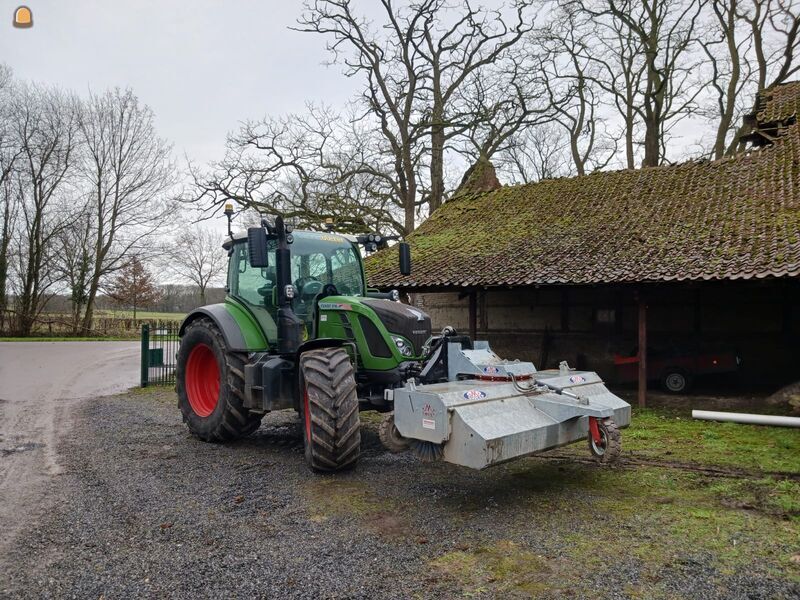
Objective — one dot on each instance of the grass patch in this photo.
(591, 519)
(372, 417)
(351, 499)
(500, 568)
(665, 434)
(671, 435)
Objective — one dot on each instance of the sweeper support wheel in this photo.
(604, 440)
(390, 437)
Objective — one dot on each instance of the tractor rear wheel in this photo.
(329, 409)
(210, 385)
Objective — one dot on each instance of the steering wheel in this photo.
(309, 286)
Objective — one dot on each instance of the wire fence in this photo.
(159, 353)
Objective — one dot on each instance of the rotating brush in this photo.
(427, 451)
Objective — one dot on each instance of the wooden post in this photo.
(483, 318)
(564, 311)
(473, 315)
(642, 396)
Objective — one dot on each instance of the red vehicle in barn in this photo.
(676, 368)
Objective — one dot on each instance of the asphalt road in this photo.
(39, 383)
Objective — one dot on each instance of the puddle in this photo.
(21, 448)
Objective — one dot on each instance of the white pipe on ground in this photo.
(776, 420)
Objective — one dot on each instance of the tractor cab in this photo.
(320, 263)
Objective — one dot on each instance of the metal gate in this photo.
(159, 353)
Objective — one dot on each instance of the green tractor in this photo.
(299, 329)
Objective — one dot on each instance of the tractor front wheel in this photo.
(210, 384)
(329, 407)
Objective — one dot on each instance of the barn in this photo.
(690, 264)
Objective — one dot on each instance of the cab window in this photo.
(255, 287)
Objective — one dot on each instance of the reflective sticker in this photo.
(491, 370)
(428, 424)
(474, 395)
(577, 379)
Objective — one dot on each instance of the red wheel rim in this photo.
(202, 380)
(306, 413)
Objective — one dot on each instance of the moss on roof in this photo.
(779, 103)
(733, 218)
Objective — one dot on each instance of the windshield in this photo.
(321, 258)
(317, 259)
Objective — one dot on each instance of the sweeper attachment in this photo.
(489, 410)
(299, 329)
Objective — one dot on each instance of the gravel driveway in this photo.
(142, 509)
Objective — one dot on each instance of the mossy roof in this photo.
(734, 218)
(779, 103)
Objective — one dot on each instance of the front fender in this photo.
(239, 329)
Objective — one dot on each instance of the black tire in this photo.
(390, 437)
(610, 447)
(228, 419)
(329, 408)
(675, 381)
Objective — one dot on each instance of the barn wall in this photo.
(587, 326)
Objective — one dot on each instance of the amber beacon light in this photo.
(23, 17)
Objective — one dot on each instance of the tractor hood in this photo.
(401, 319)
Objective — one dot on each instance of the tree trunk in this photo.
(629, 124)
(409, 202)
(652, 145)
(88, 314)
(730, 93)
(437, 160)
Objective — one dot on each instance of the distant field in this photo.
(117, 338)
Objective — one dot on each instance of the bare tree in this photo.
(414, 65)
(391, 69)
(569, 77)
(666, 33)
(453, 56)
(502, 102)
(126, 172)
(44, 126)
(536, 153)
(75, 253)
(727, 79)
(620, 66)
(308, 167)
(9, 153)
(197, 256)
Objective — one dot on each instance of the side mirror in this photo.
(405, 258)
(257, 247)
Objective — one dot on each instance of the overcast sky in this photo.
(202, 65)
